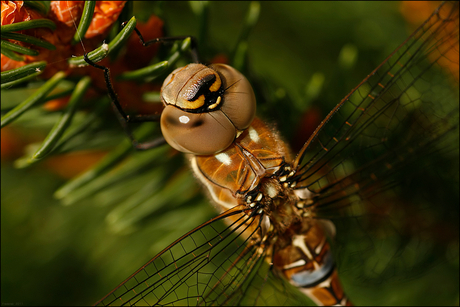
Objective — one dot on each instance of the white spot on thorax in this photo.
(253, 135)
(265, 226)
(223, 158)
(303, 193)
(271, 190)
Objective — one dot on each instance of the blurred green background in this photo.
(303, 53)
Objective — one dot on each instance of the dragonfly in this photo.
(276, 206)
(344, 265)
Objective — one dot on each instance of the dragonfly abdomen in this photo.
(306, 261)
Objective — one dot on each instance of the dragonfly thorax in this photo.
(279, 203)
(237, 172)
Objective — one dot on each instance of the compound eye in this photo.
(197, 133)
(238, 101)
(205, 107)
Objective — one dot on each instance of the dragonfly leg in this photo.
(125, 118)
(193, 49)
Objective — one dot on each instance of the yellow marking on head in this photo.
(216, 85)
(219, 99)
(195, 104)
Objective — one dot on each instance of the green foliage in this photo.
(130, 205)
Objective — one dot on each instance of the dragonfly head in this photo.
(205, 107)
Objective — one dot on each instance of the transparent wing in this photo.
(392, 125)
(221, 262)
(390, 147)
(265, 288)
(206, 266)
(409, 96)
